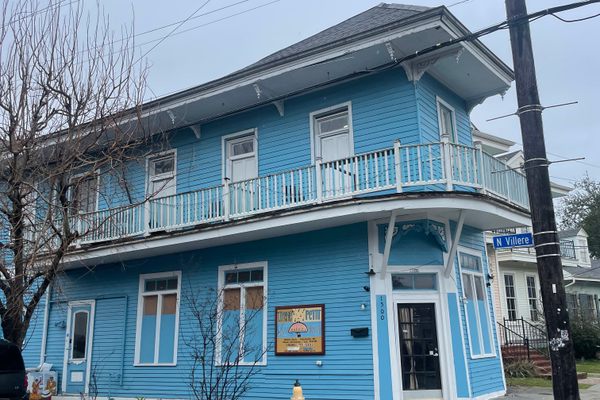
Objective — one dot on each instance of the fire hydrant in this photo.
(297, 392)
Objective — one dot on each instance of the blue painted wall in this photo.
(484, 373)
(385, 107)
(321, 267)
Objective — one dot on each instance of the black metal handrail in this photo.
(520, 332)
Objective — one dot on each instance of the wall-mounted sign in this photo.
(517, 240)
(300, 330)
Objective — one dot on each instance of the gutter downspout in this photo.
(573, 279)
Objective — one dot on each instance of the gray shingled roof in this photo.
(374, 18)
(583, 272)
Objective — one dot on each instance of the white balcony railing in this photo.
(427, 167)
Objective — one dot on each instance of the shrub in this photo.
(586, 338)
(519, 369)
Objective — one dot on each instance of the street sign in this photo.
(517, 240)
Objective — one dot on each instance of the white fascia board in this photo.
(292, 222)
(342, 50)
(452, 26)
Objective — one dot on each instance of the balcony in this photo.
(431, 167)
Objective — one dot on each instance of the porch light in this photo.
(297, 392)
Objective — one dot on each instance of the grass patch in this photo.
(536, 382)
(589, 366)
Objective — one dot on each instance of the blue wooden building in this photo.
(332, 190)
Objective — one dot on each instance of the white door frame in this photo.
(70, 305)
(424, 297)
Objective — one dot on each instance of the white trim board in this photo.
(139, 314)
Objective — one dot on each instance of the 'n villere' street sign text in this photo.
(516, 240)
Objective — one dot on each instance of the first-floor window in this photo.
(511, 300)
(588, 307)
(476, 305)
(242, 339)
(158, 312)
(532, 297)
(572, 304)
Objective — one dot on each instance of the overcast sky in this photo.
(221, 41)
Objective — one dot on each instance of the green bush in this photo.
(586, 338)
(519, 369)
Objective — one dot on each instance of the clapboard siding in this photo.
(319, 267)
(428, 88)
(384, 109)
(484, 373)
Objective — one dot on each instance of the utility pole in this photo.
(547, 245)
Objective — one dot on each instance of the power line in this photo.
(173, 30)
(577, 19)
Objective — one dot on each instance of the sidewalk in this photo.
(538, 393)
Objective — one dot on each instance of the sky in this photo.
(226, 35)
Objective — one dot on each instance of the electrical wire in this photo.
(575, 20)
(179, 25)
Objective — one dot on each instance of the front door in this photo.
(419, 354)
(78, 347)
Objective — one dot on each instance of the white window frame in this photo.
(514, 281)
(149, 159)
(227, 140)
(72, 336)
(481, 274)
(315, 144)
(442, 103)
(221, 284)
(70, 192)
(140, 309)
(529, 298)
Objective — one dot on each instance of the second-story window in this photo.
(162, 174)
(333, 133)
(446, 120)
(84, 193)
(241, 160)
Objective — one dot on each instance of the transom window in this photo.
(532, 298)
(333, 124)
(158, 319)
(163, 165)
(446, 120)
(414, 281)
(476, 305)
(242, 338)
(242, 146)
(511, 299)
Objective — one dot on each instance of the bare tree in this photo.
(70, 103)
(223, 358)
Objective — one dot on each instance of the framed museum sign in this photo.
(300, 330)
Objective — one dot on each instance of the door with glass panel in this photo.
(161, 190)
(242, 170)
(333, 144)
(419, 354)
(78, 346)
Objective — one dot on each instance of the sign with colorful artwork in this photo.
(300, 330)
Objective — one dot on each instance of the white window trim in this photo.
(322, 113)
(264, 284)
(140, 309)
(505, 298)
(439, 101)
(478, 254)
(77, 176)
(160, 154)
(226, 140)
